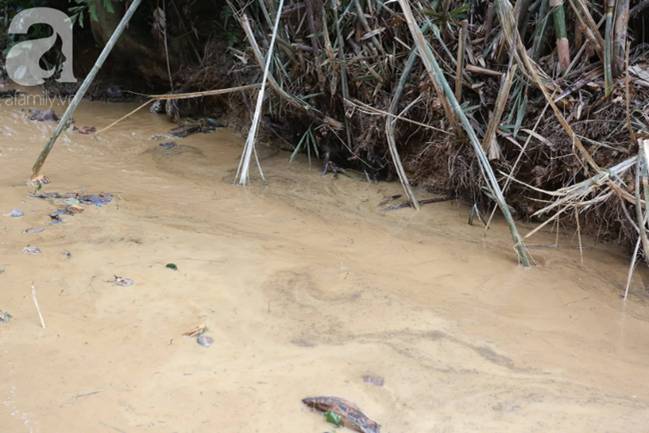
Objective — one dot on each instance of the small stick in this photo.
(38, 309)
(177, 96)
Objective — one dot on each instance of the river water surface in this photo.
(305, 285)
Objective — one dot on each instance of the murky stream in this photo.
(305, 286)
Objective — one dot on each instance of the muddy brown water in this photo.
(305, 287)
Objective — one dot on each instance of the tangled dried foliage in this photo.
(544, 84)
(554, 94)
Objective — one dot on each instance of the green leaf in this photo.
(333, 418)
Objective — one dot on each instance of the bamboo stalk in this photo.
(627, 97)
(437, 76)
(308, 108)
(621, 28)
(389, 129)
(641, 178)
(483, 71)
(608, 48)
(629, 276)
(459, 66)
(539, 30)
(421, 42)
(67, 116)
(243, 172)
(592, 31)
(561, 34)
(489, 143)
(344, 82)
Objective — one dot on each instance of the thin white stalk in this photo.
(244, 172)
(38, 309)
(629, 276)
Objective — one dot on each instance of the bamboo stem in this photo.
(489, 143)
(608, 48)
(243, 173)
(389, 129)
(308, 108)
(437, 76)
(67, 116)
(621, 28)
(561, 34)
(459, 66)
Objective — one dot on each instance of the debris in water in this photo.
(38, 182)
(389, 198)
(122, 281)
(333, 418)
(43, 115)
(168, 145)
(204, 340)
(34, 230)
(114, 92)
(158, 107)
(196, 331)
(66, 210)
(100, 199)
(350, 415)
(373, 379)
(5, 317)
(67, 254)
(172, 266)
(85, 130)
(16, 213)
(422, 202)
(71, 202)
(71, 209)
(31, 250)
(202, 126)
(56, 217)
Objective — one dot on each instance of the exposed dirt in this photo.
(304, 286)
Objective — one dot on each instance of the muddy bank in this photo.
(305, 287)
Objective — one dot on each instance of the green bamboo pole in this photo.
(63, 123)
(437, 76)
(561, 34)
